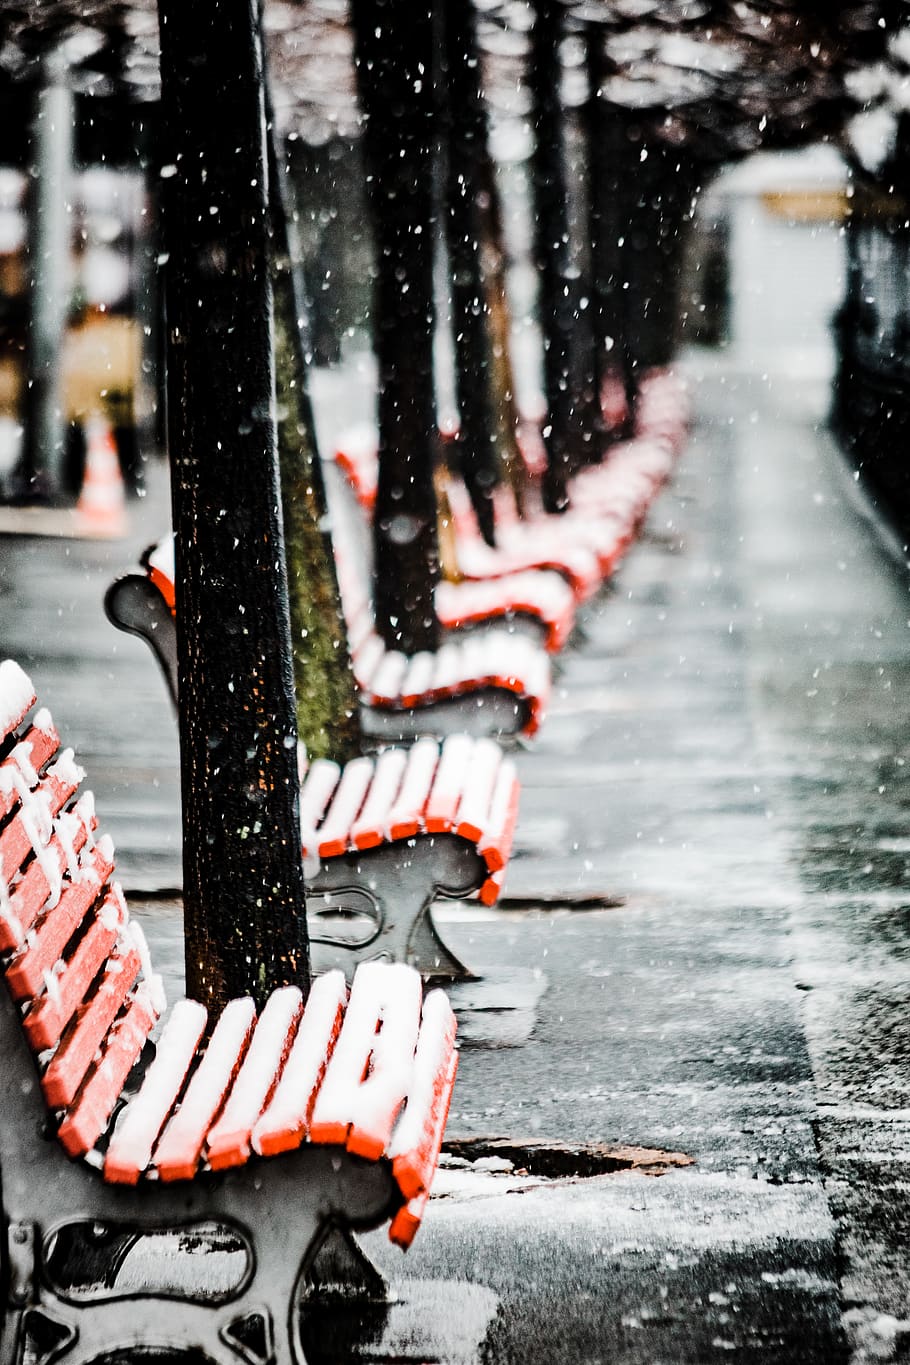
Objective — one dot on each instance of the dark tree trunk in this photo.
(394, 50)
(505, 404)
(666, 181)
(611, 165)
(564, 430)
(243, 875)
(464, 124)
(328, 718)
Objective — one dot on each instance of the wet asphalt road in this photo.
(725, 760)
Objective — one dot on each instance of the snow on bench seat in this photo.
(539, 594)
(356, 457)
(462, 786)
(372, 1073)
(390, 680)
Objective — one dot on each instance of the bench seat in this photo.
(363, 1076)
(386, 836)
(490, 683)
(607, 501)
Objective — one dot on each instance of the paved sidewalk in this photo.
(721, 786)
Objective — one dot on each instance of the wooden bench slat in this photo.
(418, 679)
(403, 1227)
(448, 784)
(386, 681)
(450, 667)
(71, 830)
(142, 1119)
(472, 817)
(366, 1080)
(37, 746)
(17, 696)
(30, 829)
(179, 1149)
(321, 780)
(45, 945)
(87, 1029)
(406, 816)
(367, 658)
(369, 829)
(228, 1141)
(415, 1141)
(48, 1017)
(284, 1120)
(88, 1117)
(495, 843)
(538, 593)
(335, 830)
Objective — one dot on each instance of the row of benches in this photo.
(290, 1125)
(323, 1111)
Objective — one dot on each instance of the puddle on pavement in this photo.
(556, 1160)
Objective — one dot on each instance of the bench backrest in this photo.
(372, 1071)
(75, 962)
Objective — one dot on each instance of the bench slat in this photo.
(473, 814)
(448, 784)
(386, 681)
(34, 888)
(142, 1119)
(414, 1145)
(406, 816)
(17, 696)
(180, 1147)
(284, 1121)
(418, 678)
(89, 1115)
(71, 1061)
(369, 829)
(36, 747)
(48, 1017)
(321, 780)
(24, 832)
(46, 944)
(228, 1142)
(496, 841)
(335, 831)
(367, 1078)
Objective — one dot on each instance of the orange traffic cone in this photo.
(101, 509)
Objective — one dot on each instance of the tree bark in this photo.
(243, 875)
(394, 52)
(464, 125)
(563, 436)
(611, 173)
(328, 717)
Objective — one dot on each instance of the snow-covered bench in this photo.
(530, 601)
(383, 837)
(608, 500)
(288, 1129)
(490, 683)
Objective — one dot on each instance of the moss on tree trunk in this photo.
(327, 711)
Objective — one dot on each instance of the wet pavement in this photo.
(704, 946)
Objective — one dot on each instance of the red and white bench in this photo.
(384, 837)
(494, 683)
(279, 1126)
(608, 501)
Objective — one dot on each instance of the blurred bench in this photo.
(314, 1116)
(382, 837)
(490, 683)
